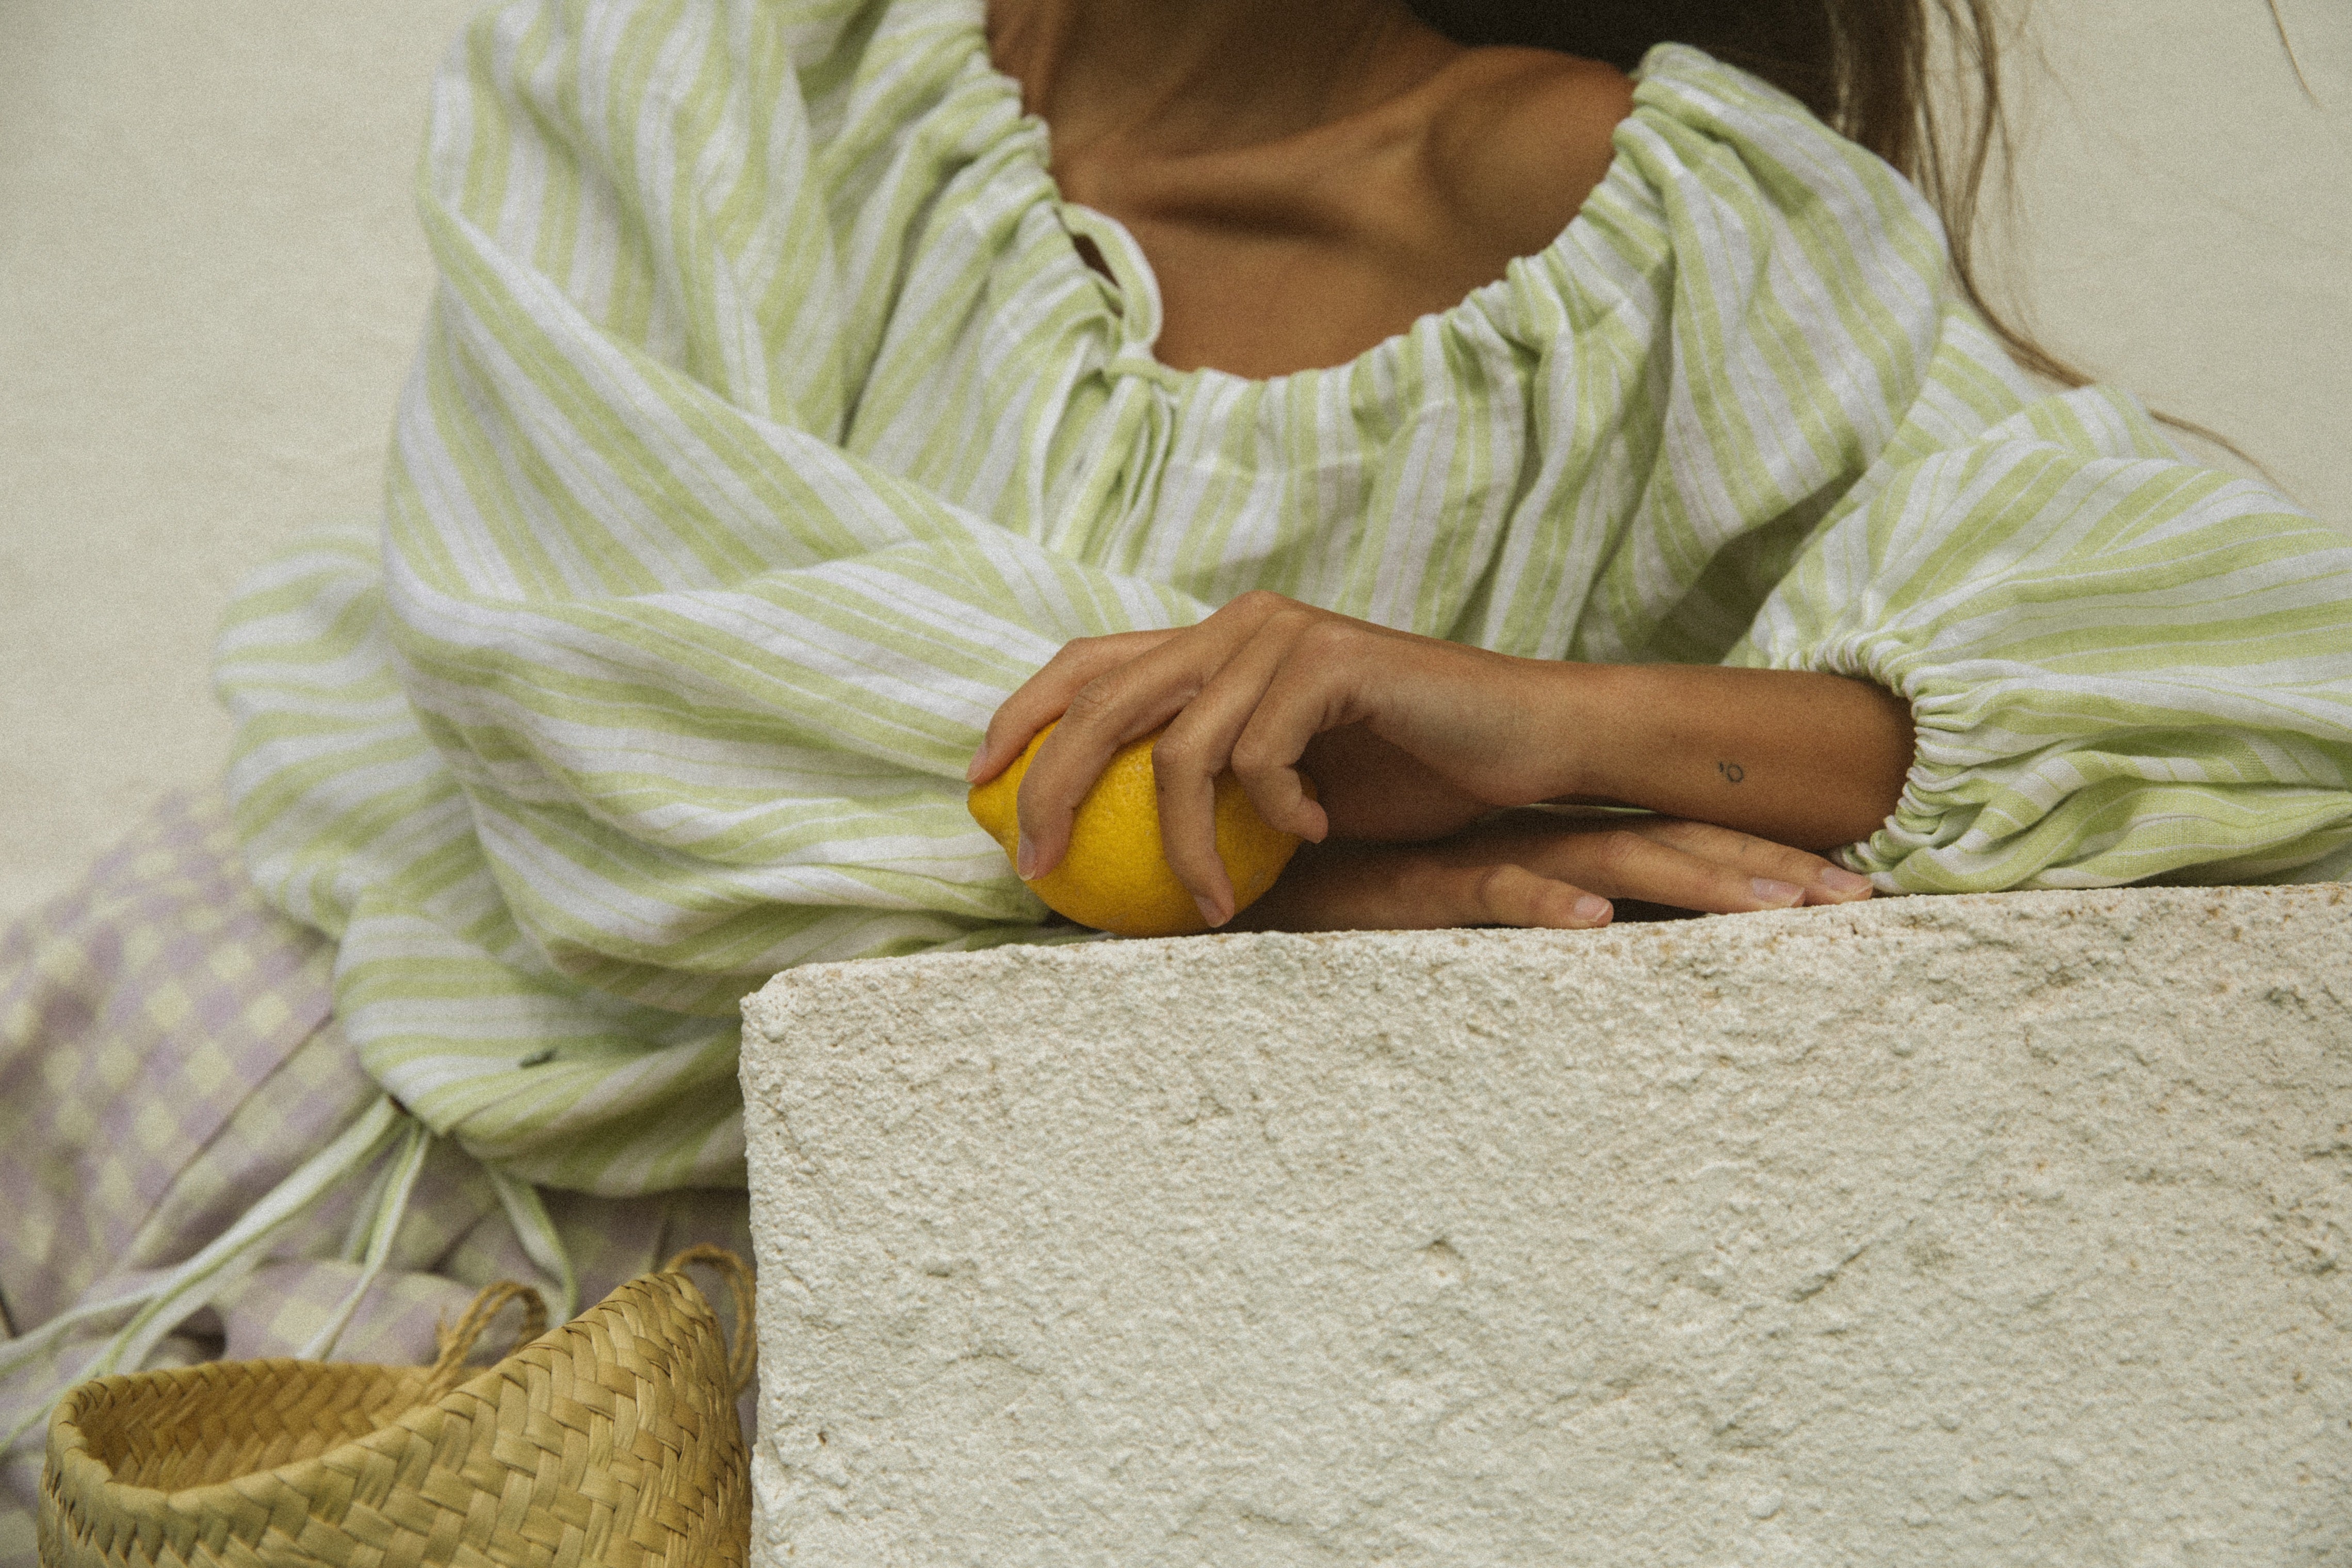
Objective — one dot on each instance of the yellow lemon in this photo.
(1116, 876)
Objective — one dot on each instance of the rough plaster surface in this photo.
(1973, 1230)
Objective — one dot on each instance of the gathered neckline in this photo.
(1133, 273)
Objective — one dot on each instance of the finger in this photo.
(1820, 880)
(1314, 691)
(1512, 894)
(1187, 828)
(1629, 862)
(1043, 697)
(1065, 767)
(1199, 745)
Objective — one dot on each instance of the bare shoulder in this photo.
(1521, 137)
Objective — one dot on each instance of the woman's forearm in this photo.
(1799, 758)
(1405, 737)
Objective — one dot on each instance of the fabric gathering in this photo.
(771, 424)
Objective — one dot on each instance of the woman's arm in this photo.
(1413, 738)
(1801, 758)
(1533, 868)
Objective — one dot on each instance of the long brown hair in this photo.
(1862, 67)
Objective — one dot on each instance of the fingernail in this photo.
(1025, 857)
(971, 769)
(1591, 910)
(1209, 912)
(1837, 878)
(1772, 892)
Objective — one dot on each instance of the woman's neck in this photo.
(1159, 79)
(1306, 177)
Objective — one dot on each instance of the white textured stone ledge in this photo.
(1967, 1230)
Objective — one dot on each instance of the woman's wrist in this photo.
(1799, 758)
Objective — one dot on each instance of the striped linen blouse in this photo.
(770, 428)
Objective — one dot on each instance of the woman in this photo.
(1295, 218)
(1411, 737)
(801, 424)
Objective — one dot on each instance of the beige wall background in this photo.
(210, 280)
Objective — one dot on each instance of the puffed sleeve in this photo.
(704, 678)
(653, 685)
(2120, 666)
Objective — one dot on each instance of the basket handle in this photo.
(743, 1355)
(458, 1343)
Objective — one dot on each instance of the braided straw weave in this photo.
(610, 1443)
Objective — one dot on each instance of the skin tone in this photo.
(1306, 178)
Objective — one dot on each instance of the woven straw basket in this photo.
(610, 1443)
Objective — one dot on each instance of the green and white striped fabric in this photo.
(770, 428)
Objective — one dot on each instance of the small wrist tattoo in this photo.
(1732, 772)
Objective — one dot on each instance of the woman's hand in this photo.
(1545, 869)
(1419, 737)
(1413, 738)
